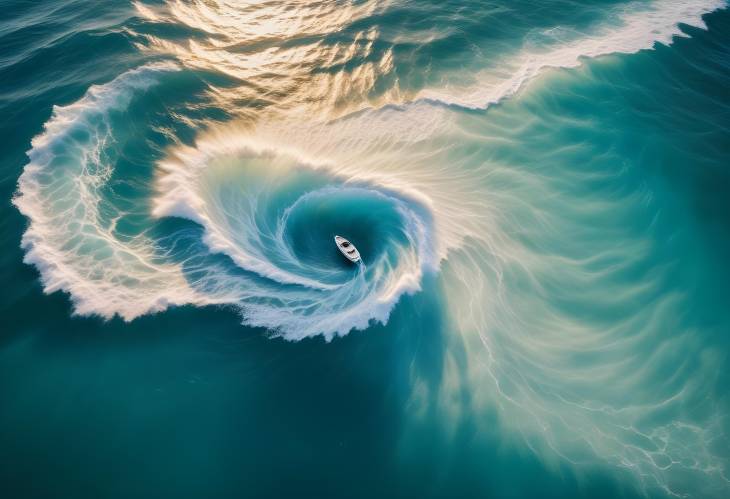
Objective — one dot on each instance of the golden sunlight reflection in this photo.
(274, 52)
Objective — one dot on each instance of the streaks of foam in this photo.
(72, 245)
(570, 326)
(637, 28)
(261, 206)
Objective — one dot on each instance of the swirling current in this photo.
(545, 178)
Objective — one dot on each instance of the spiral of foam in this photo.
(274, 218)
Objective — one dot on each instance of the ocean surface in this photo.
(540, 190)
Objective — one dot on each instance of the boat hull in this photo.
(347, 249)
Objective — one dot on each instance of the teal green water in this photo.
(538, 191)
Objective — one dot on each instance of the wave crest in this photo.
(73, 237)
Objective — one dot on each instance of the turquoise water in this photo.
(538, 190)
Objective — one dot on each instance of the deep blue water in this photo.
(538, 190)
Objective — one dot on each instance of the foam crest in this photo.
(638, 26)
(69, 240)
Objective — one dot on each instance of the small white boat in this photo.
(347, 248)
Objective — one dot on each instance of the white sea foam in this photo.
(227, 183)
(60, 193)
(638, 26)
